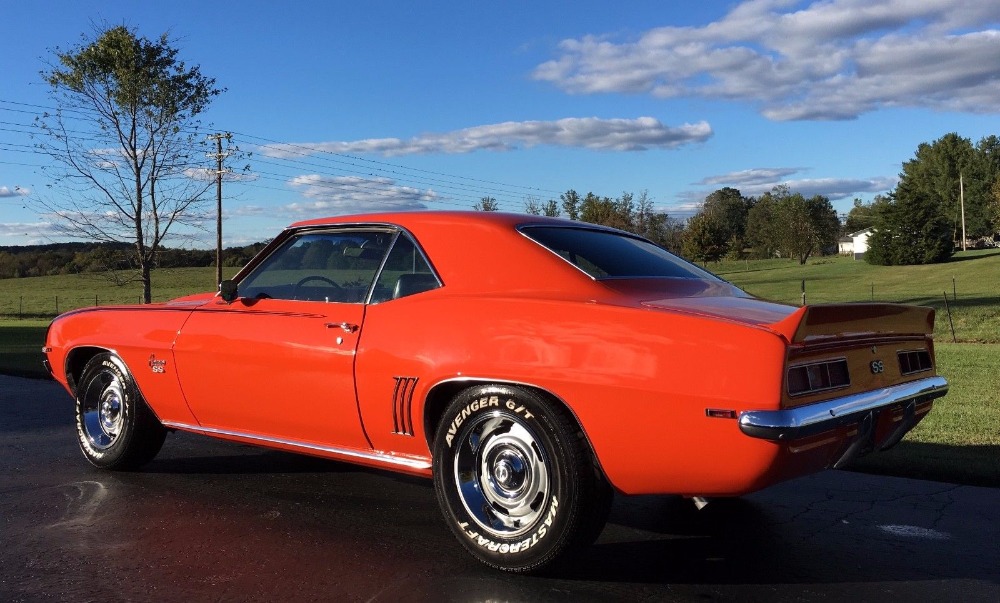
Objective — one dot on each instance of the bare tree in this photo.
(129, 162)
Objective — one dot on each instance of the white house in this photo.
(845, 246)
(860, 242)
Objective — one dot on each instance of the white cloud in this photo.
(17, 191)
(243, 211)
(30, 233)
(206, 174)
(752, 177)
(757, 181)
(352, 194)
(638, 134)
(831, 59)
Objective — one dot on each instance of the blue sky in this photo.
(362, 106)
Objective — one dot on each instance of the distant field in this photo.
(973, 276)
(47, 296)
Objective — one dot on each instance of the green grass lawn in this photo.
(21, 347)
(973, 277)
(47, 296)
(959, 441)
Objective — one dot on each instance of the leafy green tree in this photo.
(988, 159)
(487, 204)
(787, 223)
(824, 227)
(702, 241)
(910, 229)
(993, 206)
(125, 142)
(571, 204)
(762, 231)
(728, 209)
(616, 213)
(935, 174)
(550, 209)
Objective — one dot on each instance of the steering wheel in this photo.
(315, 277)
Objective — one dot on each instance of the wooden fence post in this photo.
(948, 308)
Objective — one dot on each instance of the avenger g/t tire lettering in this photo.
(515, 478)
(115, 428)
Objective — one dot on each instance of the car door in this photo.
(278, 362)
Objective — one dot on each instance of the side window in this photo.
(406, 272)
(336, 266)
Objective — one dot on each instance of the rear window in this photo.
(604, 254)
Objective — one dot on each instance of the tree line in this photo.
(947, 195)
(628, 212)
(114, 259)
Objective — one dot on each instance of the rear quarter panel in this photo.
(638, 381)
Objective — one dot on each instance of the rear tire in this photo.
(515, 478)
(114, 426)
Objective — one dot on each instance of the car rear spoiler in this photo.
(828, 321)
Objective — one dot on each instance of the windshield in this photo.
(605, 254)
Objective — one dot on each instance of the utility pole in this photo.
(961, 196)
(219, 171)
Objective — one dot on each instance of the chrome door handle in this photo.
(345, 326)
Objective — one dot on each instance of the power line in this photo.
(307, 150)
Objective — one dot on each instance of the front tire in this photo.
(114, 426)
(515, 478)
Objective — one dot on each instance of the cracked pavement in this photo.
(210, 520)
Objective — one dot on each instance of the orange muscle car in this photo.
(531, 366)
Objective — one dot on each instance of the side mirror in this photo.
(228, 291)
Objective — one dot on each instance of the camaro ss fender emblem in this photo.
(156, 365)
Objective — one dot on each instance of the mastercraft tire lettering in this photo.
(515, 478)
(115, 428)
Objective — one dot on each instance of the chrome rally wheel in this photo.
(114, 426)
(102, 409)
(515, 478)
(502, 474)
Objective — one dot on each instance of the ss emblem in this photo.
(877, 367)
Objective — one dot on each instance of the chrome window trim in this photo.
(402, 232)
(291, 233)
(387, 459)
(803, 421)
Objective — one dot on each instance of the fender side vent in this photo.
(914, 361)
(402, 402)
(818, 377)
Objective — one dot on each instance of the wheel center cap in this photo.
(509, 472)
(502, 472)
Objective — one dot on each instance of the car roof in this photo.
(407, 218)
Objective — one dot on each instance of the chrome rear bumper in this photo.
(804, 421)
